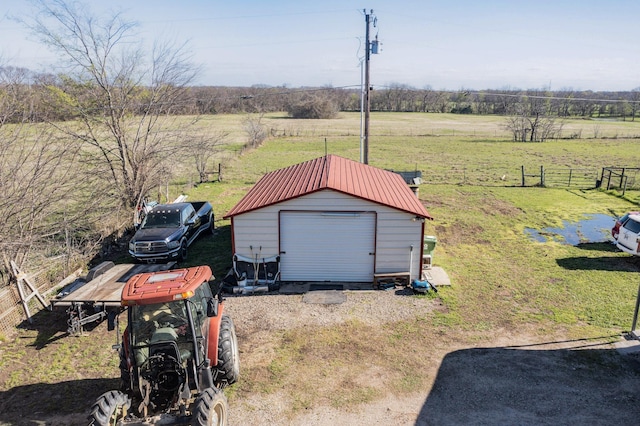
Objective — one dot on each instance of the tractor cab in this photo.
(166, 341)
(165, 323)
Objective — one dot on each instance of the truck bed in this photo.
(106, 288)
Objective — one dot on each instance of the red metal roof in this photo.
(336, 173)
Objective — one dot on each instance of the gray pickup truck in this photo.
(169, 229)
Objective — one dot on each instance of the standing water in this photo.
(594, 228)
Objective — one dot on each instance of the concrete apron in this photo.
(325, 297)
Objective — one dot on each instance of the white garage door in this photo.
(327, 246)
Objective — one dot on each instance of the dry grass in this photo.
(352, 361)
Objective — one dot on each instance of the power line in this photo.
(562, 98)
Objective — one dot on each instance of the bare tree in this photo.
(634, 102)
(255, 130)
(202, 148)
(121, 95)
(397, 98)
(313, 106)
(532, 126)
(40, 182)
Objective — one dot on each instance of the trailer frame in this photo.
(97, 295)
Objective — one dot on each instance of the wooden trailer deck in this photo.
(100, 296)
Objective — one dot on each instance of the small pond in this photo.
(593, 228)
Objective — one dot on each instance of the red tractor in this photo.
(178, 351)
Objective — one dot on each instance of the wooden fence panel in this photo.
(11, 311)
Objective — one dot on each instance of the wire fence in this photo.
(44, 274)
(621, 178)
(557, 177)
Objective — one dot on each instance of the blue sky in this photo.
(453, 44)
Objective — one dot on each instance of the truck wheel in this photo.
(109, 408)
(228, 357)
(210, 408)
(212, 226)
(183, 251)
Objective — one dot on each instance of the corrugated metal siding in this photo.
(395, 232)
(331, 172)
(256, 233)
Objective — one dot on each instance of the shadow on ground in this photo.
(534, 386)
(51, 326)
(34, 404)
(603, 263)
(598, 246)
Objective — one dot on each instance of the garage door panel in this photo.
(329, 246)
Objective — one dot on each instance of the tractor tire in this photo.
(210, 408)
(228, 357)
(182, 256)
(109, 408)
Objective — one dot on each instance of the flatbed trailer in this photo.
(97, 296)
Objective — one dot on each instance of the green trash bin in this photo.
(429, 245)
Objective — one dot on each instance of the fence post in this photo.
(522, 169)
(542, 176)
(570, 173)
(22, 278)
(622, 177)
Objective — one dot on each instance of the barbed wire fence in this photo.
(554, 177)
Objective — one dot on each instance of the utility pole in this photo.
(367, 90)
(370, 48)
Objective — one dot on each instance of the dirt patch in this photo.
(486, 386)
(503, 377)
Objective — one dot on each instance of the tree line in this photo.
(41, 100)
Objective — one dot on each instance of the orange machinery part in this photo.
(164, 286)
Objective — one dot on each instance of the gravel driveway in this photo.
(513, 378)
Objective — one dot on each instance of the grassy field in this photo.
(442, 146)
(502, 280)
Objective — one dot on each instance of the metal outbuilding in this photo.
(331, 219)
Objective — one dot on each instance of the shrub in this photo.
(315, 108)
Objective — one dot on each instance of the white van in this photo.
(629, 236)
